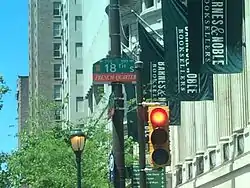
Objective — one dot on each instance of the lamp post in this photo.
(77, 140)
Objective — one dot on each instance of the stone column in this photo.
(247, 57)
(189, 123)
(238, 97)
(212, 124)
(174, 146)
(224, 105)
(200, 126)
(181, 136)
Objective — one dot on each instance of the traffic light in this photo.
(158, 124)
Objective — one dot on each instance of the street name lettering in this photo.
(112, 67)
(155, 179)
(114, 77)
(214, 36)
(188, 81)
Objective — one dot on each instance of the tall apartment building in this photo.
(22, 97)
(96, 46)
(72, 67)
(85, 41)
(45, 52)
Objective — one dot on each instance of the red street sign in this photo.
(114, 77)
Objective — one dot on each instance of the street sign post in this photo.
(155, 178)
(109, 70)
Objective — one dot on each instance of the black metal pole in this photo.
(141, 126)
(118, 129)
(78, 164)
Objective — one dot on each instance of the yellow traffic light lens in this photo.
(158, 117)
(159, 136)
(160, 157)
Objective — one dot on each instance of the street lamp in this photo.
(77, 139)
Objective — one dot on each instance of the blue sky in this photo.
(14, 62)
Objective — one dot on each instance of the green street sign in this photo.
(155, 178)
(109, 70)
(114, 65)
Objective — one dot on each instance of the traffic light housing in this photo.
(158, 123)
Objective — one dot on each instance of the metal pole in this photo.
(141, 126)
(118, 129)
(78, 164)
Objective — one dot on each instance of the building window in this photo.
(149, 3)
(58, 114)
(78, 50)
(240, 144)
(179, 175)
(78, 2)
(57, 29)
(79, 77)
(78, 23)
(79, 104)
(67, 45)
(226, 152)
(57, 92)
(190, 170)
(212, 159)
(66, 19)
(98, 92)
(57, 71)
(125, 34)
(57, 50)
(90, 101)
(57, 9)
(67, 71)
(200, 165)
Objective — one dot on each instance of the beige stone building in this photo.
(211, 148)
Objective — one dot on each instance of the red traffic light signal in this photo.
(159, 117)
(158, 121)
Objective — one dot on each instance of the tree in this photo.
(3, 90)
(95, 156)
(4, 174)
(47, 160)
(44, 160)
(3, 156)
(45, 157)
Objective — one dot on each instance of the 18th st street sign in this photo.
(109, 70)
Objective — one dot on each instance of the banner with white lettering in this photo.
(183, 84)
(215, 36)
(155, 79)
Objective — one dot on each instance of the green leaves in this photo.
(3, 90)
(43, 161)
(45, 157)
(128, 146)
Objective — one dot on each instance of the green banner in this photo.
(155, 73)
(184, 85)
(215, 36)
